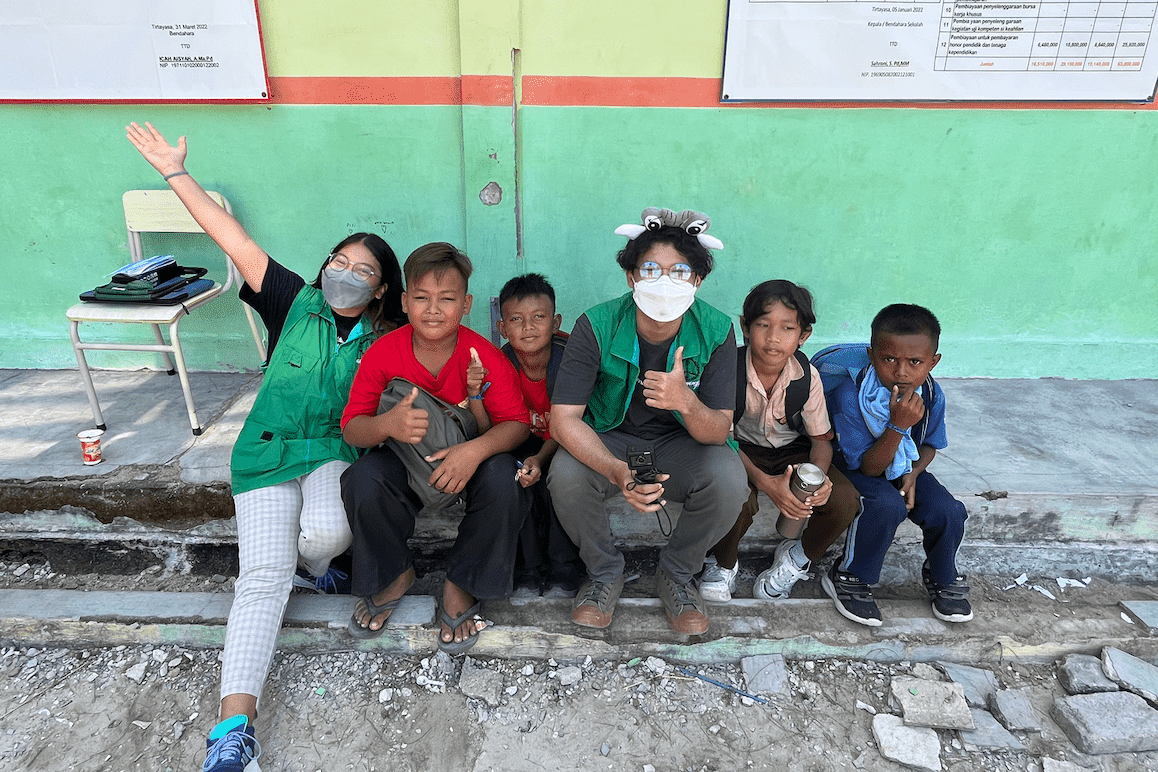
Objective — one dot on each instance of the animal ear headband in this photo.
(695, 223)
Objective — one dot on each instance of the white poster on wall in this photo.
(914, 50)
(131, 50)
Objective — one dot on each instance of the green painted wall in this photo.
(1031, 241)
(1029, 233)
(299, 179)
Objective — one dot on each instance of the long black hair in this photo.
(385, 312)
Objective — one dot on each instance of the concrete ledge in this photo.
(76, 542)
(798, 629)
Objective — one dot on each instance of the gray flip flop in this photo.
(457, 647)
(374, 610)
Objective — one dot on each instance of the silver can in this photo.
(806, 480)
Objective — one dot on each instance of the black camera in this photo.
(642, 465)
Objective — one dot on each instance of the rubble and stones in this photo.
(978, 684)
(1014, 709)
(1108, 722)
(932, 703)
(988, 733)
(912, 746)
(1130, 673)
(1082, 674)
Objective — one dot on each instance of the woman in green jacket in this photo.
(289, 455)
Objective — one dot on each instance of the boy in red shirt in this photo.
(433, 351)
(547, 561)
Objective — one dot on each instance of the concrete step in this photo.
(74, 541)
(1025, 628)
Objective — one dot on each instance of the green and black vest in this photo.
(294, 426)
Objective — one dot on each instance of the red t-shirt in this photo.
(392, 356)
(538, 405)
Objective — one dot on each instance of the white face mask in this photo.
(664, 299)
(342, 289)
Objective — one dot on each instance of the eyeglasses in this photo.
(651, 271)
(361, 270)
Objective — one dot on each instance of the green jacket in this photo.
(293, 427)
(703, 329)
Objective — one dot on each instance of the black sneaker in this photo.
(853, 598)
(950, 601)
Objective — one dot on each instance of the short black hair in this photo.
(698, 257)
(906, 319)
(783, 291)
(525, 286)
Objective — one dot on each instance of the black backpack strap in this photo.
(558, 345)
(918, 431)
(796, 395)
(741, 384)
(510, 352)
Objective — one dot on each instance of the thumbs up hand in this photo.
(475, 375)
(668, 390)
(405, 422)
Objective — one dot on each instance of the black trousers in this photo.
(382, 511)
(546, 554)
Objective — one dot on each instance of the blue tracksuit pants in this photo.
(940, 517)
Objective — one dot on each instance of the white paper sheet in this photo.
(914, 50)
(131, 50)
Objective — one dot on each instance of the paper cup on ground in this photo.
(90, 445)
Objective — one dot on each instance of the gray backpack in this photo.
(449, 425)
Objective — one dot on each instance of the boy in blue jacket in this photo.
(889, 423)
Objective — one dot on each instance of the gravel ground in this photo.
(150, 707)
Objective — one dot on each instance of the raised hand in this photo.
(475, 374)
(668, 391)
(405, 422)
(905, 409)
(162, 156)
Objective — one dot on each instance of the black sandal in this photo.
(356, 628)
(458, 647)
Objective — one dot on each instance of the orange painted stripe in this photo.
(366, 91)
(580, 91)
(488, 90)
(577, 91)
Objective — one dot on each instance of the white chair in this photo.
(153, 211)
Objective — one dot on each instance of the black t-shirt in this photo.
(279, 288)
(580, 368)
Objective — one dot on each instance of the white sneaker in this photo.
(776, 583)
(717, 583)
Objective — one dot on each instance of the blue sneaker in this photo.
(232, 752)
(333, 582)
